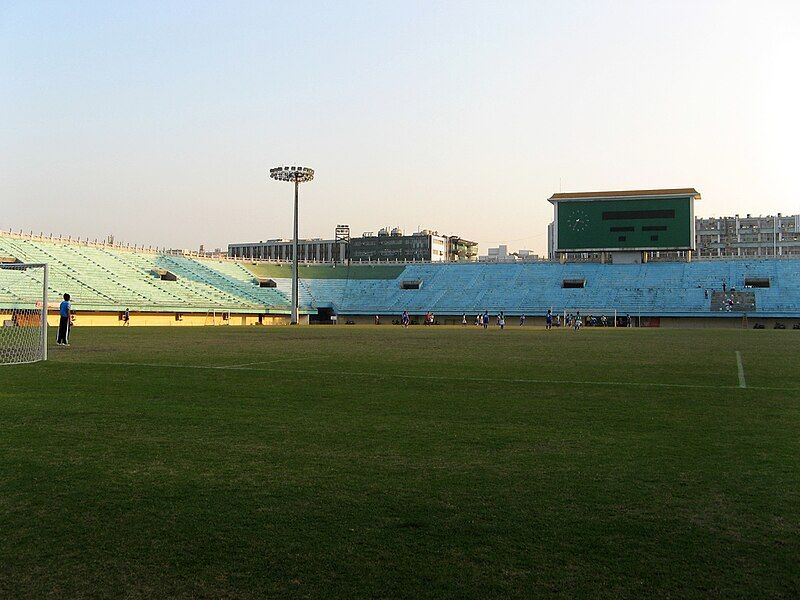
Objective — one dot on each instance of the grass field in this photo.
(381, 462)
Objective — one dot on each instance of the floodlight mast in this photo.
(297, 175)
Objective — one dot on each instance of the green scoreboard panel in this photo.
(625, 224)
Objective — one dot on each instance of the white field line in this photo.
(262, 362)
(375, 375)
(742, 382)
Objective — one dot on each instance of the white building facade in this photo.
(772, 235)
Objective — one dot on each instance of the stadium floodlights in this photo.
(23, 313)
(294, 174)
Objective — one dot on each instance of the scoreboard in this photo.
(625, 221)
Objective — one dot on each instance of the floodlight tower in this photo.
(297, 175)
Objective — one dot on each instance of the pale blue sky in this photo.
(158, 121)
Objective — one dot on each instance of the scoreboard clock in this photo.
(579, 220)
(644, 220)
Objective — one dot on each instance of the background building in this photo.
(312, 250)
(461, 250)
(501, 254)
(776, 235)
(392, 245)
(498, 254)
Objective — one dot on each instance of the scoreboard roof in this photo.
(650, 194)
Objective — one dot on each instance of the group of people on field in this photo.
(575, 321)
(482, 320)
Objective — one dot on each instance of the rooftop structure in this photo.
(652, 194)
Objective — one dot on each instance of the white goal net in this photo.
(23, 313)
(594, 317)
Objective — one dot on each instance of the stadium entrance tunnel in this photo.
(324, 316)
(411, 284)
(573, 283)
(756, 282)
(164, 275)
(267, 283)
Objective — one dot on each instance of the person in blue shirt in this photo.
(549, 319)
(64, 310)
(486, 319)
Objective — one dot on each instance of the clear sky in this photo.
(158, 121)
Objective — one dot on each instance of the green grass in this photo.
(326, 271)
(382, 462)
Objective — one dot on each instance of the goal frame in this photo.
(44, 301)
(612, 313)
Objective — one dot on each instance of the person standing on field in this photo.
(126, 318)
(464, 320)
(486, 319)
(548, 320)
(65, 312)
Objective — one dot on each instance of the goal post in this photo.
(23, 313)
(593, 317)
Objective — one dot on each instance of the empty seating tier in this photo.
(105, 278)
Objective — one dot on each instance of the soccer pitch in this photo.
(382, 462)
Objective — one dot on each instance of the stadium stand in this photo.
(108, 279)
(656, 289)
(231, 280)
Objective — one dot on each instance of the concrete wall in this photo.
(148, 319)
(723, 323)
(111, 319)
